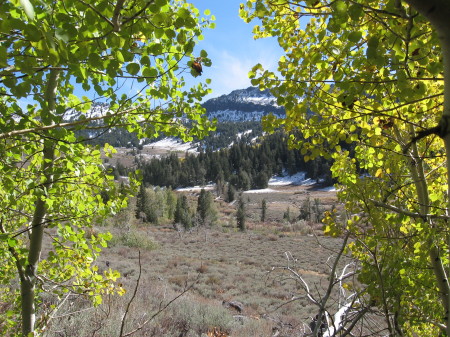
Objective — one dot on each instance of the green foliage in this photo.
(183, 214)
(135, 239)
(206, 210)
(240, 215)
(245, 165)
(51, 183)
(263, 210)
(361, 79)
(231, 193)
(287, 214)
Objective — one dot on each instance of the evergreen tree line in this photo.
(162, 205)
(243, 165)
(232, 104)
(227, 133)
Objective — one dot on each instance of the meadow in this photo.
(212, 281)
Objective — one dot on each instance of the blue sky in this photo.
(231, 47)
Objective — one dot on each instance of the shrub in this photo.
(134, 239)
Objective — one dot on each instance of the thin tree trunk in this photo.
(28, 281)
(438, 13)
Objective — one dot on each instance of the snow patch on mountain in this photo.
(237, 115)
(251, 94)
(173, 144)
(243, 105)
(97, 110)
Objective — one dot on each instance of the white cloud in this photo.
(230, 72)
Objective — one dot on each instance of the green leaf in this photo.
(119, 56)
(32, 33)
(133, 68)
(149, 72)
(61, 34)
(12, 242)
(28, 8)
(3, 57)
(355, 36)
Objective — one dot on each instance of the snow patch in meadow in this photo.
(297, 179)
(328, 189)
(195, 188)
(264, 190)
(284, 180)
(308, 182)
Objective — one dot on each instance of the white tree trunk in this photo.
(28, 275)
(438, 13)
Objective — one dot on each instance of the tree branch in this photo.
(122, 324)
(408, 213)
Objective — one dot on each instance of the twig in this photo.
(122, 325)
(161, 309)
(408, 213)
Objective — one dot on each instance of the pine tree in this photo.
(261, 180)
(202, 206)
(141, 200)
(220, 183)
(182, 214)
(240, 215)
(206, 211)
(171, 201)
(287, 215)
(231, 193)
(263, 210)
(305, 209)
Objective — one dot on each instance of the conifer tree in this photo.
(206, 211)
(263, 210)
(231, 193)
(182, 213)
(141, 201)
(171, 202)
(240, 215)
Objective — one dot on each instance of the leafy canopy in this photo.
(58, 58)
(360, 80)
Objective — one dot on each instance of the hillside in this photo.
(236, 113)
(243, 105)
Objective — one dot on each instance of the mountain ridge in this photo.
(236, 113)
(249, 104)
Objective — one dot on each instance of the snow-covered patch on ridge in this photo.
(261, 100)
(239, 135)
(173, 144)
(97, 110)
(236, 115)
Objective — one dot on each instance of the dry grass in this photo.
(231, 266)
(219, 264)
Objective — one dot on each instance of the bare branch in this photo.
(161, 309)
(122, 324)
(408, 213)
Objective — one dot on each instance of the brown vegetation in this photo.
(217, 264)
